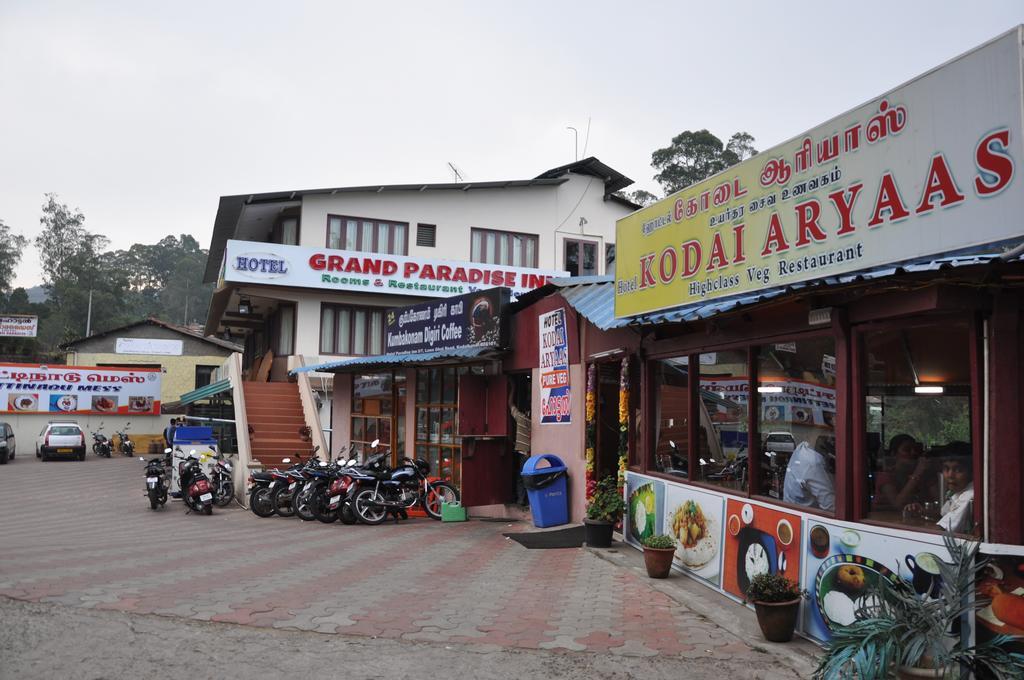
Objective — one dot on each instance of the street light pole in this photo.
(88, 317)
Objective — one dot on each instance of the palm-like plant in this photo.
(898, 627)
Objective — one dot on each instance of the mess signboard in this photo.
(926, 169)
(473, 320)
(36, 388)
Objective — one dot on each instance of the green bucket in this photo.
(452, 512)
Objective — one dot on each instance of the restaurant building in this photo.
(829, 344)
(305, 278)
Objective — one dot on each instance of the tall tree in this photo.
(62, 236)
(11, 245)
(695, 156)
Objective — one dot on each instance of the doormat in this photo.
(560, 538)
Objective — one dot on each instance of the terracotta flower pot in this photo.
(777, 619)
(598, 534)
(658, 561)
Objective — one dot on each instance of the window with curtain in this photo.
(503, 247)
(351, 330)
(580, 257)
(367, 235)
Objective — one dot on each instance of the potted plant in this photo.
(658, 552)
(914, 636)
(603, 511)
(777, 602)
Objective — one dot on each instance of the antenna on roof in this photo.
(456, 172)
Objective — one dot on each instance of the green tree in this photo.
(11, 246)
(62, 236)
(640, 197)
(695, 156)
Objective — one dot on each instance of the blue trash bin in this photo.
(547, 489)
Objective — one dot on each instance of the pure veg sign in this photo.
(926, 169)
(329, 269)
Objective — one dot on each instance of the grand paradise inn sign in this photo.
(347, 270)
(926, 169)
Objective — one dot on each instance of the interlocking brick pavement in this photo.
(82, 534)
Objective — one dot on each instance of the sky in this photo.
(142, 114)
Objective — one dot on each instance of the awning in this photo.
(205, 392)
(392, 360)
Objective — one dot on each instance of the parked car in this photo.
(61, 438)
(780, 442)
(6, 443)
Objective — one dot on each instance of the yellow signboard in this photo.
(928, 168)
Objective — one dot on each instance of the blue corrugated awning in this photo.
(392, 360)
(205, 391)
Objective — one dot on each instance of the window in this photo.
(284, 330)
(367, 235)
(503, 247)
(204, 375)
(723, 447)
(917, 411)
(426, 235)
(437, 420)
(378, 412)
(796, 400)
(286, 231)
(580, 257)
(671, 416)
(352, 330)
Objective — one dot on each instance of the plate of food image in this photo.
(23, 402)
(104, 404)
(140, 404)
(696, 533)
(64, 402)
(844, 584)
(641, 512)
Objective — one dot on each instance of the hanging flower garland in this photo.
(623, 421)
(591, 427)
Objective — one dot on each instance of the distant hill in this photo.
(36, 294)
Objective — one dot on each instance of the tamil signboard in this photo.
(157, 346)
(474, 320)
(349, 270)
(18, 326)
(555, 399)
(35, 388)
(926, 169)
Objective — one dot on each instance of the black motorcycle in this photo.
(156, 480)
(223, 486)
(196, 490)
(383, 490)
(126, 446)
(101, 446)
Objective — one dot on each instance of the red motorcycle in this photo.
(197, 492)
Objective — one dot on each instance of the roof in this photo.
(160, 324)
(206, 391)
(230, 208)
(593, 297)
(392, 360)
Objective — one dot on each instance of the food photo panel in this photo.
(645, 501)
(1002, 582)
(758, 540)
(695, 520)
(844, 564)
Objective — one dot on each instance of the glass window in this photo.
(723, 447)
(797, 405)
(334, 232)
(327, 329)
(351, 235)
(503, 247)
(372, 399)
(285, 330)
(917, 409)
(580, 257)
(290, 231)
(367, 235)
(351, 330)
(204, 376)
(671, 416)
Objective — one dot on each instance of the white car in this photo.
(780, 442)
(61, 439)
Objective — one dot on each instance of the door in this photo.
(487, 462)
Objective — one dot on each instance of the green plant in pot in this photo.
(900, 633)
(603, 511)
(777, 603)
(658, 553)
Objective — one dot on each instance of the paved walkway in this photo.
(82, 534)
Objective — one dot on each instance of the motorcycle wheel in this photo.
(281, 498)
(347, 514)
(208, 509)
(367, 509)
(321, 509)
(154, 499)
(439, 492)
(261, 503)
(302, 504)
(225, 492)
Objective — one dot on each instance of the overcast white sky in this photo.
(143, 114)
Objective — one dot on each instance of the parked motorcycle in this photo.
(289, 484)
(156, 480)
(101, 446)
(223, 485)
(196, 489)
(396, 490)
(126, 446)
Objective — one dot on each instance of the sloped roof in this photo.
(152, 321)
